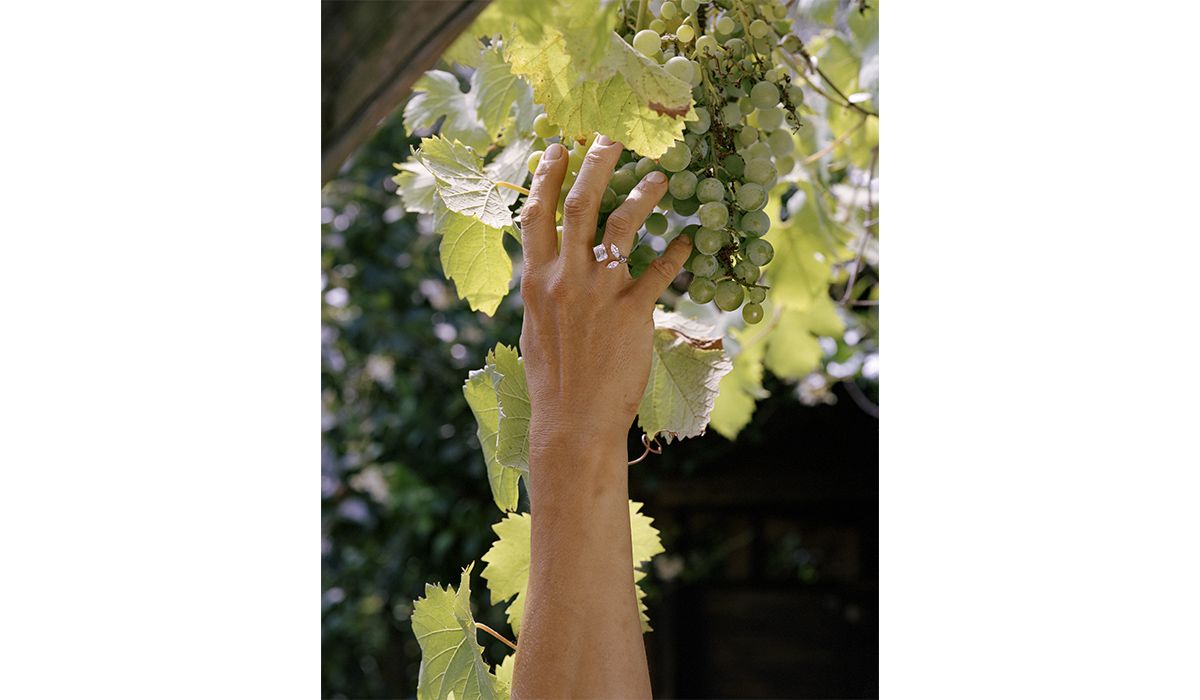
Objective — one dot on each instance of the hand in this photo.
(588, 330)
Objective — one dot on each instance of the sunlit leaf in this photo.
(685, 370)
(451, 657)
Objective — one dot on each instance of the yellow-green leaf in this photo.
(480, 393)
(741, 389)
(436, 95)
(686, 368)
(473, 257)
(451, 657)
(463, 184)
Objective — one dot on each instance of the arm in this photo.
(586, 339)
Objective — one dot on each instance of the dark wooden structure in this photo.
(372, 51)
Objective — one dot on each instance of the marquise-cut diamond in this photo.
(616, 253)
(613, 264)
(600, 252)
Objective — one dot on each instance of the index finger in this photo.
(539, 239)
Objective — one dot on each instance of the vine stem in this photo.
(641, 16)
(511, 186)
(862, 246)
(836, 142)
(495, 634)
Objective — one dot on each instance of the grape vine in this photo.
(763, 115)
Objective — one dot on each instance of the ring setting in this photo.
(602, 254)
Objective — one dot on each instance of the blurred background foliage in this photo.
(405, 498)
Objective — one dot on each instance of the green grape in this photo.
(747, 136)
(760, 170)
(657, 26)
(785, 164)
(644, 167)
(728, 295)
(764, 94)
(680, 67)
(656, 225)
(781, 27)
(734, 164)
(752, 312)
(666, 202)
(683, 185)
(710, 189)
(542, 126)
(640, 259)
(755, 223)
(735, 47)
(624, 179)
(700, 152)
(608, 201)
(726, 25)
(758, 149)
(705, 265)
(757, 295)
(703, 121)
(781, 143)
(747, 271)
(701, 290)
(685, 207)
(759, 29)
(676, 158)
(772, 75)
(685, 33)
(620, 198)
(648, 42)
(689, 6)
(759, 251)
(707, 240)
(731, 114)
(534, 159)
(668, 10)
(795, 94)
(707, 45)
(751, 196)
(575, 160)
(745, 106)
(714, 214)
(770, 119)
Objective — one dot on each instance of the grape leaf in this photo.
(451, 657)
(653, 85)
(463, 185)
(742, 387)
(612, 107)
(686, 368)
(792, 349)
(480, 392)
(511, 164)
(512, 394)
(436, 94)
(507, 570)
(494, 90)
(416, 187)
(504, 674)
(805, 247)
(473, 257)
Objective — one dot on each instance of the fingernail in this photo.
(553, 152)
(656, 177)
(604, 140)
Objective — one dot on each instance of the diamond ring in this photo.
(602, 254)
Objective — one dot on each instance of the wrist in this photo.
(572, 463)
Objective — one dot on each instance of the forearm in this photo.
(581, 636)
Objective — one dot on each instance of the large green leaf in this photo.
(463, 184)
(507, 570)
(806, 245)
(480, 392)
(741, 389)
(437, 95)
(792, 349)
(512, 394)
(686, 368)
(494, 90)
(473, 257)
(416, 187)
(451, 657)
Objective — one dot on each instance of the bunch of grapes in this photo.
(722, 171)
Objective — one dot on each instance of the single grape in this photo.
(731, 114)
(707, 240)
(683, 185)
(676, 158)
(624, 179)
(542, 126)
(781, 143)
(757, 295)
(685, 207)
(666, 202)
(795, 94)
(755, 223)
(714, 215)
(745, 106)
(752, 312)
(576, 158)
(703, 121)
(705, 265)
(608, 201)
(785, 164)
(773, 75)
(668, 10)
(680, 67)
(728, 295)
(747, 136)
(751, 196)
(735, 47)
(760, 170)
(656, 225)
(770, 119)
(701, 290)
(758, 149)
(707, 45)
(643, 167)
(726, 25)
(764, 94)
(685, 33)
(747, 271)
(758, 28)
(534, 159)
(710, 189)
(648, 42)
(734, 164)
(759, 251)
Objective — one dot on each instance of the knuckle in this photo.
(663, 269)
(560, 288)
(595, 157)
(620, 223)
(533, 211)
(577, 204)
